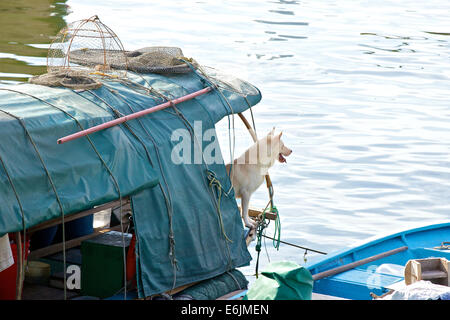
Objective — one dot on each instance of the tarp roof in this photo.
(177, 220)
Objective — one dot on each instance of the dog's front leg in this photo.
(245, 200)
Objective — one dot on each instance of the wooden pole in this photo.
(58, 247)
(355, 264)
(78, 215)
(20, 262)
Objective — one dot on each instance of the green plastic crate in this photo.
(102, 270)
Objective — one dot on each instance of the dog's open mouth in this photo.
(281, 158)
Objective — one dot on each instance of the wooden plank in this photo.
(181, 288)
(35, 255)
(81, 214)
(254, 213)
(174, 291)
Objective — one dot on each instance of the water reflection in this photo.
(26, 28)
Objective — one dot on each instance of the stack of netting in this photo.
(87, 50)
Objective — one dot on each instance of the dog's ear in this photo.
(279, 136)
(272, 132)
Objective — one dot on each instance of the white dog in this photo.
(248, 171)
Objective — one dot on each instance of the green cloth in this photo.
(283, 280)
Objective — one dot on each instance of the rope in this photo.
(58, 200)
(277, 234)
(167, 196)
(215, 183)
(93, 147)
(204, 78)
(253, 118)
(23, 253)
(259, 234)
(262, 225)
(188, 125)
(117, 113)
(168, 204)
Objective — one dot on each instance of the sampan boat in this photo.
(371, 269)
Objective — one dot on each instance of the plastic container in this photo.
(37, 272)
(9, 275)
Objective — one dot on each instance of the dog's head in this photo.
(279, 147)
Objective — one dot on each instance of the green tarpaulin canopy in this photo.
(181, 234)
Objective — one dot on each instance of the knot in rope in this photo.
(172, 251)
(262, 225)
(215, 183)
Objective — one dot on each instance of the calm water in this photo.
(359, 88)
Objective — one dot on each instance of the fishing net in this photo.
(70, 79)
(163, 60)
(87, 51)
(227, 82)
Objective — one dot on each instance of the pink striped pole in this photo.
(135, 115)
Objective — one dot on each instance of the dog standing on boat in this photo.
(248, 171)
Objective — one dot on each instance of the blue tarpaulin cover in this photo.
(181, 234)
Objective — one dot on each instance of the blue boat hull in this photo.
(376, 276)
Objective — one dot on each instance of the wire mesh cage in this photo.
(87, 46)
